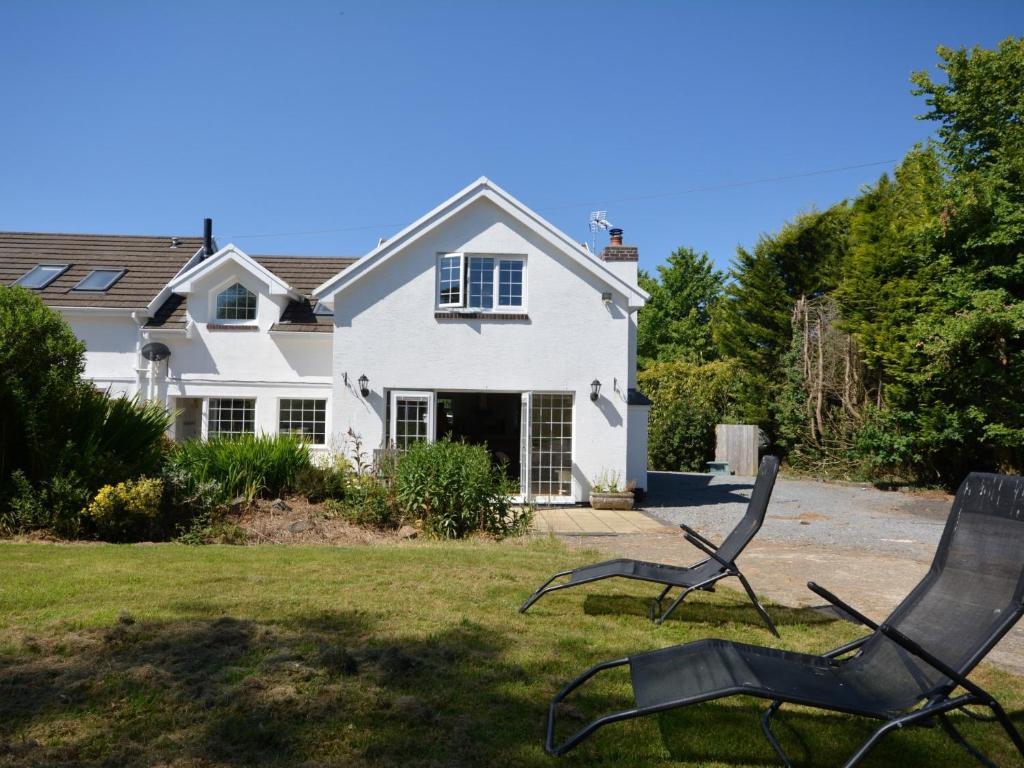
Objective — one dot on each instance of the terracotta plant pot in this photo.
(619, 500)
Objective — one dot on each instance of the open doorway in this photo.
(483, 417)
(189, 422)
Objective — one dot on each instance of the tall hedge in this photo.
(688, 401)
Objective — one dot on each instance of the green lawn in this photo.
(408, 655)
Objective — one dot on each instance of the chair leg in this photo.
(674, 605)
(958, 737)
(655, 607)
(872, 741)
(542, 590)
(1008, 726)
(757, 604)
(766, 726)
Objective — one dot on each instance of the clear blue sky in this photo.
(143, 117)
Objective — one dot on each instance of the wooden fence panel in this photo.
(738, 444)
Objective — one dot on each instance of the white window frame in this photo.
(327, 409)
(464, 292)
(498, 306)
(462, 280)
(411, 394)
(208, 413)
(223, 287)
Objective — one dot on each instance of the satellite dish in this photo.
(155, 351)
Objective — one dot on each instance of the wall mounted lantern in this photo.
(595, 390)
(364, 385)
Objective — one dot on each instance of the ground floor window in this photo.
(551, 445)
(306, 418)
(231, 416)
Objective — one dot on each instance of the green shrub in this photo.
(688, 401)
(190, 504)
(54, 504)
(318, 484)
(455, 489)
(128, 511)
(246, 465)
(368, 502)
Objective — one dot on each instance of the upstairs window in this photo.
(481, 282)
(450, 275)
(236, 303)
(99, 280)
(41, 276)
(484, 283)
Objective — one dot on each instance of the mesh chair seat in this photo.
(676, 575)
(710, 669)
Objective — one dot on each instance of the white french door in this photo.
(546, 447)
(524, 446)
(412, 418)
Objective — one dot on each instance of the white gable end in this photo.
(482, 189)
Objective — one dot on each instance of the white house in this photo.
(480, 320)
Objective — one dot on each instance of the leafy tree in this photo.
(60, 439)
(676, 322)
(752, 323)
(41, 364)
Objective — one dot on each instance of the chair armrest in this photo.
(842, 650)
(687, 529)
(707, 549)
(844, 607)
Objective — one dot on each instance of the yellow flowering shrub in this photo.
(126, 511)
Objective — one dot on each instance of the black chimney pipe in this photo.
(207, 238)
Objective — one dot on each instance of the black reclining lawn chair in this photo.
(720, 563)
(904, 673)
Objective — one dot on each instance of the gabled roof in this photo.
(184, 283)
(149, 263)
(482, 188)
(303, 273)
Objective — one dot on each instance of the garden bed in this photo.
(294, 520)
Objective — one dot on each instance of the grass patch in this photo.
(403, 655)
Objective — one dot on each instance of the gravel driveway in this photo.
(805, 511)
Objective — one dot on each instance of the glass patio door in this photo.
(412, 418)
(547, 445)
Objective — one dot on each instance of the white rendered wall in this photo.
(637, 461)
(110, 349)
(385, 328)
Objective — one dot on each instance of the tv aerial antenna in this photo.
(598, 221)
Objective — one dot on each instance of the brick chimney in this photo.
(621, 259)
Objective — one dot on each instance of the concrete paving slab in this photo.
(584, 521)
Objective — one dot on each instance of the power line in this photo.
(728, 185)
(631, 198)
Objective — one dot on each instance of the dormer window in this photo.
(236, 303)
(488, 283)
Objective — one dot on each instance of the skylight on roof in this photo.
(41, 275)
(99, 280)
